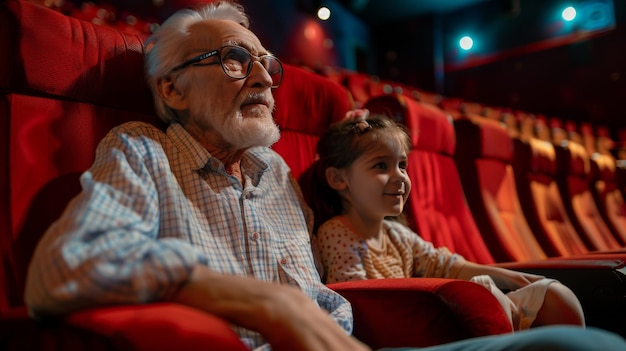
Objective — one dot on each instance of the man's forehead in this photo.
(215, 33)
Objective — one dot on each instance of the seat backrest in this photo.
(62, 90)
(484, 154)
(574, 180)
(360, 85)
(606, 192)
(436, 208)
(303, 112)
(534, 167)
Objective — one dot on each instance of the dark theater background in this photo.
(527, 58)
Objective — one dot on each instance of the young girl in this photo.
(358, 188)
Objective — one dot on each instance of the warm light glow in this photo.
(323, 13)
(466, 43)
(310, 32)
(569, 13)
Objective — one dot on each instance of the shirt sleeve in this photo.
(104, 248)
(340, 252)
(430, 262)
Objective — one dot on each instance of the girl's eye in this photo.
(380, 165)
(403, 165)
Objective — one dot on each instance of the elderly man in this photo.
(204, 214)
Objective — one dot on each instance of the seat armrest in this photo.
(157, 326)
(419, 312)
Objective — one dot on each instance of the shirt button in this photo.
(283, 261)
(255, 236)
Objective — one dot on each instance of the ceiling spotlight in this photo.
(569, 13)
(466, 43)
(323, 13)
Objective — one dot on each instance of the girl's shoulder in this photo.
(336, 228)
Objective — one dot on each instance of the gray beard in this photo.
(245, 133)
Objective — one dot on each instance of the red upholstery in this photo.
(574, 180)
(61, 90)
(361, 86)
(535, 171)
(484, 153)
(55, 115)
(392, 307)
(436, 204)
(608, 197)
(303, 117)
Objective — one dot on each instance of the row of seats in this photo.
(521, 124)
(102, 13)
(522, 204)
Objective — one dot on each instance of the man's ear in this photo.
(336, 178)
(173, 97)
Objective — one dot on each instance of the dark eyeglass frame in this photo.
(195, 61)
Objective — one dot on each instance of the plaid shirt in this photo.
(156, 204)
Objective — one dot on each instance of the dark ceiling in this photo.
(380, 11)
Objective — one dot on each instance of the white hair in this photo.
(166, 46)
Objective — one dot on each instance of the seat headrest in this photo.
(429, 127)
(603, 167)
(308, 103)
(494, 139)
(73, 60)
(360, 85)
(541, 156)
(573, 159)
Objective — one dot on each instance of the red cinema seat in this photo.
(484, 153)
(606, 192)
(575, 181)
(303, 117)
(534, 165)
(360, 85)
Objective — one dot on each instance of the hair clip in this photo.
(361, 126)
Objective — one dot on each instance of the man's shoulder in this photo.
(138, 128)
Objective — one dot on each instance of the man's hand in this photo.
(285, 316)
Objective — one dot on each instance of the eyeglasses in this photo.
(237, 63)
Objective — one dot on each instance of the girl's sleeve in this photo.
(340, 252)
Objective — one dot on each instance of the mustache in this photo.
(258, 98)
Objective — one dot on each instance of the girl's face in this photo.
(377, 184)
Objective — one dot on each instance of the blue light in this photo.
(466, 43)
(569, 13)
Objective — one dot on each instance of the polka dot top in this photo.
(346, 256)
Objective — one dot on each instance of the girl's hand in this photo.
(504, 278)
